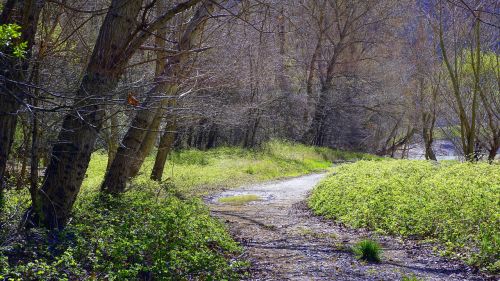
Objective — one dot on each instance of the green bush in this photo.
(367, 250)
(136, 236)
(456, 203)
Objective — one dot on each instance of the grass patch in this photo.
(367, 250)
(410, 278)
(240, 199)
(457, 204)
(194, 172)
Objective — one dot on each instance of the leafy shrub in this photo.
(367, 250)
(457, 203)
(136, 236)
(10, 35)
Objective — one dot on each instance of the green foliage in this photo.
(195, 172)
(149, 232)
(457, 203)
(367, 250)
(136, 236)
(410, 278)
(9, 39)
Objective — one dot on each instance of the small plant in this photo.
(410, 278)
(367, 250)
(250, 170)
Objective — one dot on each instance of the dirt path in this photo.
(284, 241)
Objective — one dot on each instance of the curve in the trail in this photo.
(284, 241)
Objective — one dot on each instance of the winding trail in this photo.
(284, 241)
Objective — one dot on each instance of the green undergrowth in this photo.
(154, 231)
(194, 172)
(457, 204)
(137, 236)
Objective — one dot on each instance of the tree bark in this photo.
(467, 123)
(112, 137)
(152, 131)
(71, 153)
(12, 70)
(166, 144)
(119, 37)
(129, 157)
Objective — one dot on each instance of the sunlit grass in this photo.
(368, 250)
(240, 199)
(194, 172)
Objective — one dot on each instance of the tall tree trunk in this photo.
(151, 135)
(166, 144)
(137, 135)
(311, 68)
(284, 82)
(35, 159)
(467, 125)
(71, 153)
(428, 120)
(119, 38)
(310, 78)
(317, 128)
(212, 136)
(24, 13)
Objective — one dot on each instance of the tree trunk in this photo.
(495, 145)
(166, 143)
(316, 130)
(429, 152)
(152, 131)
(71, 153)
(112, 138)
(212, 136)
(24, 13)
(467, 125)
(119, 38)
(129, 157)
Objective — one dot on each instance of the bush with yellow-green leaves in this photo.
(457, 204)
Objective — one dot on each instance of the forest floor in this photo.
(283, 240)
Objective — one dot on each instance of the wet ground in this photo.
(284, 241)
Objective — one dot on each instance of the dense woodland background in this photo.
(141, 77)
